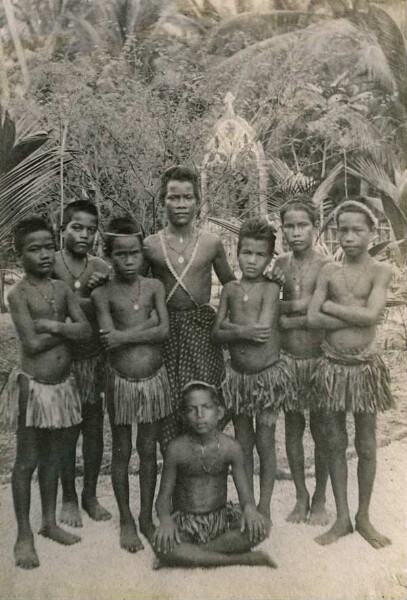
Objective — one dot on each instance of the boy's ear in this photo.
(221, 412)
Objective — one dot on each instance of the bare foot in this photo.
(318, 514)
(95, 510)
(147, 528)
(300, 512)
(59, 535)
(262, 559)
(70, 515)
(367, 531)
(25, 555)
(338, 530)
(129, 539)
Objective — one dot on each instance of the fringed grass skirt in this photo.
(258, 393)
(356, 380)
(301, 372)
(49, 405)
(200, 528)
(138, 400)
(89, 373)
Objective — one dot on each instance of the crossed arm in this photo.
(39, 335)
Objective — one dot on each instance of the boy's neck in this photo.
(126, 280)
(181, 230)
(359, 259)
(202, 439)
(252, 281)
(302, 255)
(34, 278)
(66, 253)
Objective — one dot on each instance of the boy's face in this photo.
(126, 256)
(254, 256)
(354, 233)
(298, 230)
(180, 202)
(79, 233)
(38, 253)
(201, 412)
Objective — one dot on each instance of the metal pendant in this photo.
(77, 284)
(181, 260)
(181, 240)
(297, 288)
(245, 298)
(136, 306)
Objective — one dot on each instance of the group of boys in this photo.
(151, 348)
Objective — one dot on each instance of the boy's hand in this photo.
(276, 275)
(254, 523)
(165, 536)
(110, 340)
(283, 322)
(326, 306)
(96, 279)
(255, 333)
(45, 326)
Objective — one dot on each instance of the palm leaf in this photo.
(376, 175)
(228, 225)
(322, 191)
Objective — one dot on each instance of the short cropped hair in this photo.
(301, 202)
(29, 225)
(257, 228)
(76, 206)
(356, 204)
(179, 173)
(120, 226)
(199, 385)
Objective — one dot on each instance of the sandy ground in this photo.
(98, 569)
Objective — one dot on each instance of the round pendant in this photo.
(245, 298)
(77, 285)
(181, 260)
(297, 288)
(181, 240)
(136, 306)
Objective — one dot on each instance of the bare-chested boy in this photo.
(182, 258)
(350, 376)
(43, 399)
(198, 528)
(257, 383)
(300, 349)
(137, 389)
(83, 272)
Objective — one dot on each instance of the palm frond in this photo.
(232, 226)
(374, 62)
(374, 174)
(322, 191)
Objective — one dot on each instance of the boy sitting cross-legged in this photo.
(137, 388)
(257, 382)
(42, 397)
(198, 528)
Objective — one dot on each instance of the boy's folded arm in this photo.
(157, 328)
(224, 331)
(300, 305)
(317, 319)
(31, 341)
(270, 309)
(299, 322)
(78, 328)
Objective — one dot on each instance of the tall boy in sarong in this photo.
(350, 375)
(83, 273)
(300, 349)
(182, 258)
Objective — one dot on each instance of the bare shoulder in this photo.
(231, 446)
(17, 293)
(151, 283)
(282, 260)
(178, 449)
(98, 264)
(230, 287)
(151, 241)
(61, 287)
(330, 268)
(382, 270)
(210, 239)
(102, 291)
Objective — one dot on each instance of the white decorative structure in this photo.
(233, 140)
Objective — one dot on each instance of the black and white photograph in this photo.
(203, 268)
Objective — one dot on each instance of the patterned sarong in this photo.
(200, 528)
(190, 354)
(89, 376)
(356, 380)
(49, 405)
(301, 372)
(138, 400)
(258, 393)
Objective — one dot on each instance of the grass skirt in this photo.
(49, 405)
(257, 393)
(200, 528)
(301, 373)
(88, 374)
(138, 400)
(356, 380)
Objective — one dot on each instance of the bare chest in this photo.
(348, 284)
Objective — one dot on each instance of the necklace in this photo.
(181, 258)
(199, 451)
(49, 300)
(77, 284)
(352, 286)
(135, 300)
(246, 292)
(298, 274)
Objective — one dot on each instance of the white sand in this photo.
(98, 569)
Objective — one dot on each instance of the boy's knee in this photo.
(25, 467)
(146, 448)
(366, 449)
